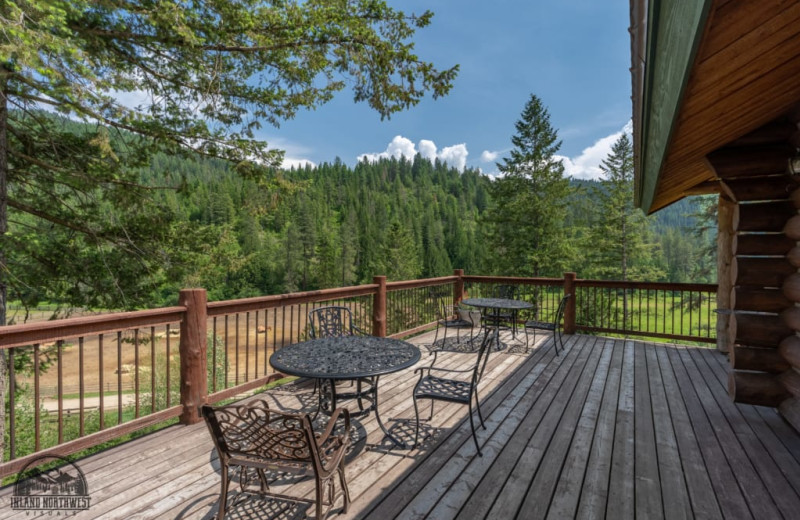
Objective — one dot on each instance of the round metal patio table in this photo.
(348, 358)
(496, 305)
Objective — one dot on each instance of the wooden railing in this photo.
(162, 364)
(682, 312)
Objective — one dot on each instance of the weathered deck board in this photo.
(754, 489)
(533, 444)
(543, 485)
(621, 493)
(721, 474)
(673, 484)
(592, 492)
(702, 499)
(610, 428)
(646, 467)
(567, 492)
(759, 447)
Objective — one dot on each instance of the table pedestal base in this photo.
(370, 395)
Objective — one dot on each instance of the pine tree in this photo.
(399, 259)
(618, 241)
(525, 224)
(619, 247)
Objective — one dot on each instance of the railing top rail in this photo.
(425, 282)
(46, 331)
(616, 284)
(280, 300)
(515, 280)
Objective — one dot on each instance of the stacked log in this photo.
(762, 280)
(789, 347)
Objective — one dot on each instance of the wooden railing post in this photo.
(379, 307)
(725, 259)
(194, 382)
(569, 311)
(458, 287)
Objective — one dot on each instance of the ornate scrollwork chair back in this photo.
(253, 436)
(332, 321)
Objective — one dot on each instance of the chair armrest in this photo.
(332, 424)
(358, 331)
(332, 448)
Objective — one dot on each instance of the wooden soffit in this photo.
(705, 72)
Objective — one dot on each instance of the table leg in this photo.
(333, 394)
(391, 437)
(488, 350)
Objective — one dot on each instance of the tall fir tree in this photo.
(525, 223)
(619, 247)
(399, 259)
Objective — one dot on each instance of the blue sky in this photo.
(573, 54)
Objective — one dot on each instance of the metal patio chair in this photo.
(448, 317)
(554, 326)
(333, 320)
(336, 321)
(452, 389)
(251, 436)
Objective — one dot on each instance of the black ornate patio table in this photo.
(496, 305)
(346, 358)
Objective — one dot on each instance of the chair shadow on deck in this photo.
(250, 505)
(403, 429)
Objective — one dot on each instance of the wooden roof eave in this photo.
(664, 42)
(638, 31)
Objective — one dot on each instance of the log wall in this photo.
(762, 315)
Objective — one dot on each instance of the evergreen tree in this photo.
(307, 237)
(618, 241)
(349, 257)
(525, 224)
(399, 259)
(704, 265)
(619, 245)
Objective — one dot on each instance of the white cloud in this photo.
(587, 164)
(487, 156)
(455, 156)
(294, 153)
(399, 147)
(427, 149)
(294, 162)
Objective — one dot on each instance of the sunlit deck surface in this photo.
(610, 428)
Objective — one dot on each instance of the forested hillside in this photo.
(329, 226)
(337, 225)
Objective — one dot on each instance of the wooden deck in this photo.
(610, 428)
